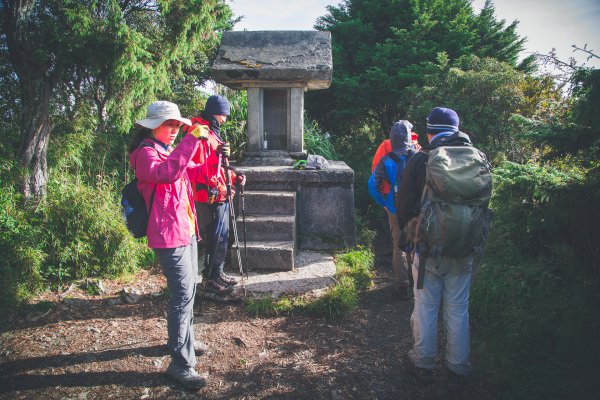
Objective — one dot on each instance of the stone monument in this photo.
(289, 209)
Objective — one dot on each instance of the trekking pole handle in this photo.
(227, 177)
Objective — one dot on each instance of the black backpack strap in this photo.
(394, 156)
(146, 144)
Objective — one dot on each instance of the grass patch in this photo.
(340, 300)
(357, 265)
(268, 306)
(353, 274)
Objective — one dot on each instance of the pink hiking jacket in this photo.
(168, 224)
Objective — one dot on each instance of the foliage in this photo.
(537, 205)
(380, 48)
(364, 235)
(357, 265)
(339, 301)
(77, 233)
(235, 130)
(353, 275)
(576, 129)
(535, 300)
(84, 233)
(357, 148)
(486, 94)
(106, 58)
(316, 141)
(21, 246)
(268, 306)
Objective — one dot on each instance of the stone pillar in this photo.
(255, 119)
(296, 129)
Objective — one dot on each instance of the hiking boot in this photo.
(454, 382)
(403, 292)
(421, 376)
(200, 348)
(215, 286)
(186, 376)
(228, 280)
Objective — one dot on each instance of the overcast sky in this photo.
(545, 23)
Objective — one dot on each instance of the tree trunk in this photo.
(37, 81)
(35, 132)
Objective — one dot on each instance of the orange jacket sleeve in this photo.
(384, 148)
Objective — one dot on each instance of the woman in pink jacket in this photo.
(164, 175)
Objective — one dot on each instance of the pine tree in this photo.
(116, 54)
(382, 47)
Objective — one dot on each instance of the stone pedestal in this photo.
(324, 201)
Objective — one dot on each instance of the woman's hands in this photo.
(200, 132)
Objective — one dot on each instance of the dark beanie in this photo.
(442, 120)
(216, 105)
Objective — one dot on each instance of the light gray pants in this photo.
(180, 267)
(450, 281)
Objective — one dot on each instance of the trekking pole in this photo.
(244, 228)
(234, 224)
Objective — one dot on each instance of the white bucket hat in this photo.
(159, 112)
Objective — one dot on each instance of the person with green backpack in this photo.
(442, 208)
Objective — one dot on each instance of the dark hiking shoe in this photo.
(421, 376)
(215, 286)
(200, 348)
(186, 376)
(454, 382)
(228, 280)
(403, 292)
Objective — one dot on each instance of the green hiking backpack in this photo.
(454, 219)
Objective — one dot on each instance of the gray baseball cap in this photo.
(159, 112)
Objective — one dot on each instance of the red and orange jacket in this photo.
(212, 171)
(384, 148)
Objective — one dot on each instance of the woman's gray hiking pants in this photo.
(180, 267)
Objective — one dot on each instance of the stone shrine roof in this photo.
(274, 58)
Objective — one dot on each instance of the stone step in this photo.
(267, 227)
(276, 255)
(268, 203)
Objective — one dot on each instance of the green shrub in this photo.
(21, 241)
(316, 141)
(364, 235)
(235, 129)
(76, 233)
(84, 233)
(534, 302)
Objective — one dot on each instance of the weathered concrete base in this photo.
(265, 255)
(313, 274)
(324, 201)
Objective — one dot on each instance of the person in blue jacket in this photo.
(390, 169)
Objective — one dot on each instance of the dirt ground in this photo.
(95, 347)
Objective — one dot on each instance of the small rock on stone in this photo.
(130, 295)
(114, 301)
(93, 329)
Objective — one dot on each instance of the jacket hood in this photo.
(455, 139)
(400, 136)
